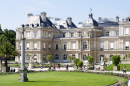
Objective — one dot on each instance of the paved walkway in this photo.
(71, 68)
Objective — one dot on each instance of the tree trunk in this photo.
(6, 62)
(1, 64)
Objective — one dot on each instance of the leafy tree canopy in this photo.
(80, 63)
(49, 57)
(115, 59)
(76, 61)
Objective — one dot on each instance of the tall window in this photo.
(65, 57)
(49, 35)
(44, 34)
(27, 45)
(44, 45)
(63, 34)
(35, 45)
(126, 31)
(101, 46)
(126, 45)
(73, 45)
(28, 34)
(111, 45)
(84, 56)
(73, 56)
(49, 46)
(84, 45)
(64, 46)
(35, 57)
(101, 58)
(107, 33)
(20, 45)
(72, 34)
(56, 57)
(111, 57)
(56, 46)
(35, 34)
(117, 33)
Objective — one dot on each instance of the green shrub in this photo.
(123, 58)
(80, 63)
(75, 61)
(115, 59)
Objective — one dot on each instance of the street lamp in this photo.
(23, 69)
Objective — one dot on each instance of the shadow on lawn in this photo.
(47, 81)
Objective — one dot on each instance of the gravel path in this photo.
(119, 81)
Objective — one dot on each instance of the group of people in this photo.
(59, 67)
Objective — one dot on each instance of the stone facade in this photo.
(99, 39)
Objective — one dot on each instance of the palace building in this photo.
(63, 38)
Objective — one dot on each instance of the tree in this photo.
(105, 59)
(129, 55)
(91, 60)
(115, 59)
(6, 51)
(75, 61)
(49, 58)
(86, 58)
(70, 58)
(80, 63)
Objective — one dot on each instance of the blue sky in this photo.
(13, 13)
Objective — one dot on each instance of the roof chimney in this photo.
(99, 19)
(30, 14)
(43, 16)
(117, 19)
(69, 20)
(90, 15)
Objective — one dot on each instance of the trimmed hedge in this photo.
(110, 67)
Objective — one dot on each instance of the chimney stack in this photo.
(69, 20)
(117, 19)
(99, 19)
(30, 14)
(43, 16)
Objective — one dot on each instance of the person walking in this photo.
(59, 66)
(124, 69)
(67, 67)
(54, 67)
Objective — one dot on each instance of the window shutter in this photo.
(127, 31)
(73, 45)
(27, 45)
(101, 45)
(126, 43)
(35, 45)
(111, 45)
(43, 45)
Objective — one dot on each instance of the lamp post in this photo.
(23, 69)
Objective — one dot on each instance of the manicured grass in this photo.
(110, 67)
(58, 79)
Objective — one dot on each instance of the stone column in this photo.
(23, 69)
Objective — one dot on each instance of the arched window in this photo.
(35, 57)
(65, 57)
(73, 56)
(56, 57)
(84, 56)
(84, 45)
(110, 57)
(101, 58)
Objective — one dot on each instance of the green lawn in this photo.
(110, 67)
(58, 79)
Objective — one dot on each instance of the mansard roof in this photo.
(90, 21)
(36, 20)
(62, 24)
